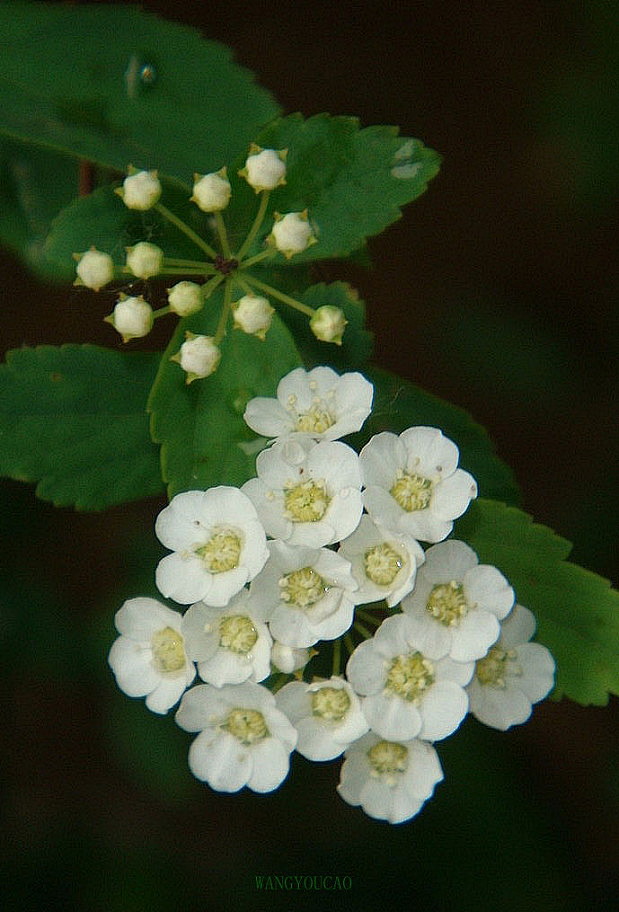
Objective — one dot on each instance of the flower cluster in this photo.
(321, 553)
(246, 299)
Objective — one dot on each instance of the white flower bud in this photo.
(211, 192)
(185, 298)
(199, 356)
(292, 233)
(328, 324)
(140, 190)
(145, 260)
(289, 659)
(132, 317)
(253, 315)
(94, 269)
(265, 169)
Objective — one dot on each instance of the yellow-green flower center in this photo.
(330, 703)
(387, 758)
(411, 491)
(168, 650)
(303, 588)
(409, 676)
(237, 633)
(306, 502)
(315, 421)
(221, 552)
(447, 603)
(492, 669)
(247, 725)
(382, 563)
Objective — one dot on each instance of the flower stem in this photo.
(161, 312)
(223, 235)
(348, 643)
(209, 287)
(365, 633)
(225, 313)
(253, 231)
(276, 293)
(190, 264)
(189, 232)
(258, 257)
(337, 652)
(367, 617)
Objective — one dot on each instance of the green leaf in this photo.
(399, 404)
(74, 420)
(116, 85)
(352, 181)
(577, 612)
(200, 425)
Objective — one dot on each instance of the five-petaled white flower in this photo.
(326, 714)
(512, 676)
(244, 739)
(307, 493)
(457, 602)
(230, 646)
(413, 484)
(149, 658)
(319, 402)
(308, 592)
(218, 543)
(391, 780)
(408, 693)
(384, 563)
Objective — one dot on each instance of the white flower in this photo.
(140, 190)
(265, 169)
(308, 592)
(145, 260)
(94, 269)
(218, 544)
(327, 715)
(514, 675)
(199, 356)
(244, 739)
(230, 646)
(409, 693)
(413, 484)
(149, 658)
(289, 659)
(132, 317)
(292, 233)
(185, 298)
(383, 563)
(307, 493)
(211, 192)
(328, 324)
(253, 314)
(457, 602)
(390, 780)
(318, 402)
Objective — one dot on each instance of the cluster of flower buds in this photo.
(319, 555)
(244, 292)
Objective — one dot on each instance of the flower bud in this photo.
(265, 169)
(185, 298)
(94, 269)
(253, 315)
(140, 190)
(288, 659)
(211, 192)
(292, 233)
(199, 356)
(145, 260)
(328, 324)
(132, 317)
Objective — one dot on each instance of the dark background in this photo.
(497, 291)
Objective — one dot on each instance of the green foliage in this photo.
(399, 404)
(577, 612)
(72, 82)
(352, 181)
(73, 419)
(204, 438)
